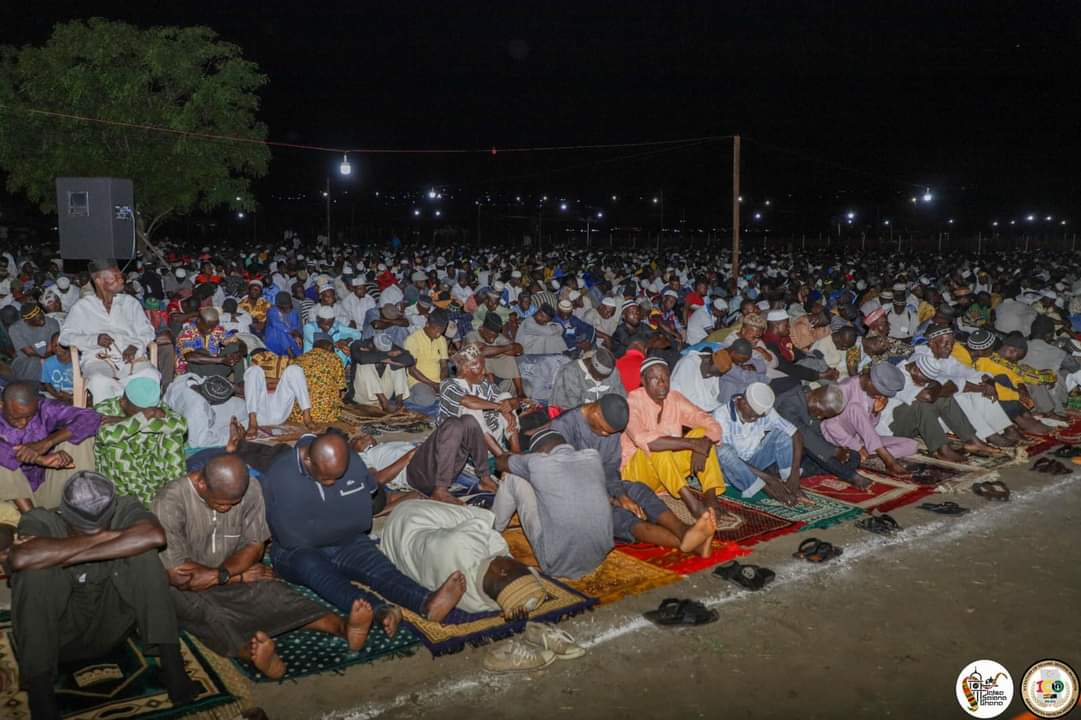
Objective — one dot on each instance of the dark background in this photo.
(843, 105)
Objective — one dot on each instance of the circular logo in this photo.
(1049, 689)
(984, 689)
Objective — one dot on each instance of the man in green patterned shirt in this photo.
(140, 444)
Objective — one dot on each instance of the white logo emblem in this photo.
(1049, 689)
(984, 689)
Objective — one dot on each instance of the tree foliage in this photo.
(185, 79)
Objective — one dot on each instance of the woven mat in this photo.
(619, 576)
(407, 421)
(307, 652)
(818, 512)
(740, 524)
(883, 494)
(677, 561)
(923, 472)
(125, 684)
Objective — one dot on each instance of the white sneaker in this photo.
(516, 656)
(552, 638)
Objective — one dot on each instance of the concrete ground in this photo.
(882, 632)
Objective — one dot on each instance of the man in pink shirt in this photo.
(656, 452)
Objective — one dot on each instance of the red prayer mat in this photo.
(749, 526)
(680, 562)
(883, 494)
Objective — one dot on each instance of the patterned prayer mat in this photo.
(923, 472)
(306, 652)
(742, 524)
(816, 513)
(124, 684)
(883, 494)
(674, 560)
(619, 576)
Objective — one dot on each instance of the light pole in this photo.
(344, 169)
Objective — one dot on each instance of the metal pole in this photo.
(328, 208)
(735, 206)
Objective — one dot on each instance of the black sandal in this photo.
(1069, 451)
(879, 525)
(673, 611)
(996, 490)
(751, 577)
(816, 551)
(944, 508)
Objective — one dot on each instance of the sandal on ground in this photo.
(549, 637)
(751, 577)
(879, 525)
(1042, 464)
(944, 508)
(1057, 468)
(816, 551)
(674, 611)
(1068, 451)
(995, 490)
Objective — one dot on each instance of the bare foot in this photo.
(358, 624)
(699, 537)
(980, 449)
(949, 454)
(390, 616)
(265, 657)
(443, 600)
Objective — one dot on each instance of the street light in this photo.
(601, 214)
(563, 206)
(240, 216)
(927, 196)
(1048, 218)
(994, 223)
(1030, 218)
(416, 213)
(439, 213)
(758, 216)
(345, 168)
(655, 201)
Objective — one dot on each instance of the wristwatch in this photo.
(223, 575)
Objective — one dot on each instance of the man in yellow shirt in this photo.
(429, 348)
(1013, 394)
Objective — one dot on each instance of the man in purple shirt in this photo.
(865, 397)
(42, 443)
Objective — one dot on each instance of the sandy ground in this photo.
(883, 632)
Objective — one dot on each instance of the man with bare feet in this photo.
(216, 531)
(319, 506)
(560, 497)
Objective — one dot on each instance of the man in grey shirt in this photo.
(559, 495)
(587, 379)
(30, 337)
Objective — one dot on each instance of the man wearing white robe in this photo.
(273, 406)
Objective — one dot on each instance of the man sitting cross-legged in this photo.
(638, 515)
(85, 575)
(270, 400)
(215, 526)
(319, 506)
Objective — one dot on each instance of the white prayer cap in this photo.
(670, 293)
(609, 301)
(516, 274)
(181, 273)
(5, 287)
(391, 296)
(325, 312)
(63, 282)
(760, 397)
(900, 288)
(776, 316)
(566, 305)
(720, 304)
(763, 305)
(381, 266)
(358, 281)
(574, 295)
(324, 287)
(347, 269)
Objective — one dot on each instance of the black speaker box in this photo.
(97, 218)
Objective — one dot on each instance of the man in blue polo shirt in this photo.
(319, 507)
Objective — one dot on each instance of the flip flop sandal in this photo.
(751, 577)
(1057, 468)
(816, 551)
(1042, 464)
(879, 525)
(674, 611)
(944, 508)
(990, 490)
(889, 523)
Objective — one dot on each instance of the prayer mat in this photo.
(619, 576)
(819, 512)
(307, 652)
(883, 494)
(677, 561)
(743, 524)
(923, 473)
(443, 639)
(124, 684)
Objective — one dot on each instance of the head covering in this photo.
(886, 295)
(63, 282)
(29, 311)
(543, 437)
(382, 342)
(566, 305)
(650, 362)
(981, 340)
(939, 331)
(392, 295)
(615, 411)
(722, 360)
(358, 281)
(754, 320)
(418, 276)
(760, 397)
(215, 389)
(143, 392)
(325, 312)
(469, 353)
(610, 302)
(928, 365)
(88, 501)
(887, 378)
(525, 593)
(603, 361)
(837, 323)
(325, 287)
(875, 315)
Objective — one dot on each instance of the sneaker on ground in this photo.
(554, 639)
(516, 656)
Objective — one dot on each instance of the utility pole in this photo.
(735, 206)
(327, 193)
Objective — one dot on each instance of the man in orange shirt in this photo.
(656, 452)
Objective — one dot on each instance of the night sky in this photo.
(850, 103)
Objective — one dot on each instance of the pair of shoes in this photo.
(539, 647)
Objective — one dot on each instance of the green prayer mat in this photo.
(125, 684)
(307, 652)
(822, 514)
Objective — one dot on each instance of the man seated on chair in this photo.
(429, 541)
(140, 443)
(111, 331)
(31, 337)
(319, 507)
(216, 531)
(271, 388)
(381, 373)
(85, 576)
(655, 450)
(42, 442)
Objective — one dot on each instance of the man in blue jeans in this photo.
(319, 506)
(755, 438)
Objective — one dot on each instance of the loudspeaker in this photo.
(97, 218)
